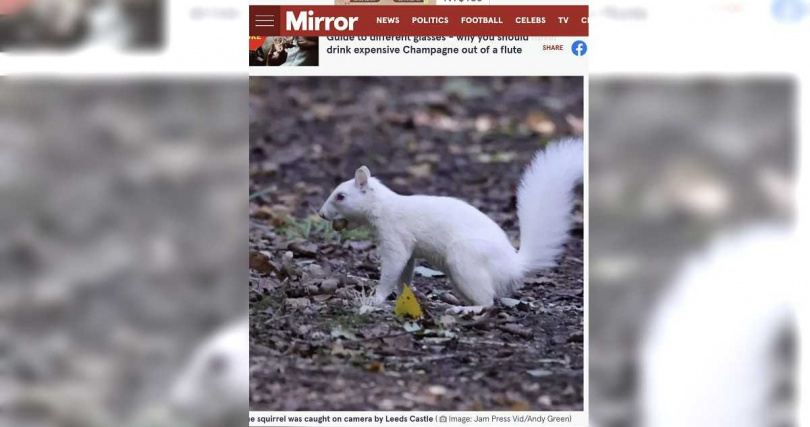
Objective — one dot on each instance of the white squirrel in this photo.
(708, 352)
(213, 387)
(458, 238)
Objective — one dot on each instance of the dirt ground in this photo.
(311, 348)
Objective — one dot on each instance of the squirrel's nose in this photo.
(322, 215)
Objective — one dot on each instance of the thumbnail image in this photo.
(691, 184)
(83, 24)
(122, 297)
(283, 51)
(416, 243)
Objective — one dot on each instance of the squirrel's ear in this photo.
(361, 177)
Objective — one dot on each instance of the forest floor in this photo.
(311, 347)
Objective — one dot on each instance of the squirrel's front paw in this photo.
(379, 298)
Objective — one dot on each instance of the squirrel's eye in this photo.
(341, 196)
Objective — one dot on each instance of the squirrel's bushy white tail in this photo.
(545, 200)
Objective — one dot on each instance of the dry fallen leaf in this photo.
(420, 171)
(261, 261)
(276, 215)
(540, 123)
(374, 366)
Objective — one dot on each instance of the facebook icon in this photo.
(579, 48)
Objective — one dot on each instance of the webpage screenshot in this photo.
(457, 212)
(399, 153)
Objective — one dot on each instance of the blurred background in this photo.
(696, 297)
(122, 247)
(691, 209)
(61, 25)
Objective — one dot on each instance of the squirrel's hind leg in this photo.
(473, 284)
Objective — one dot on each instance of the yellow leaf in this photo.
(407, 305)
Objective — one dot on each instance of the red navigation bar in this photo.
(548, 21)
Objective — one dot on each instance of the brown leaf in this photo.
(261, 261)
(540, 123)
(420, 171)
(275, 215)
